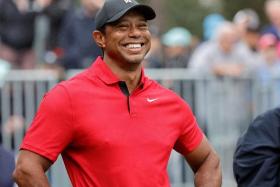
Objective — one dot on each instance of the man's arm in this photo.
(206, 165)
(30, 170)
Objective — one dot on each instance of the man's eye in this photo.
(144, 26)
(122, 26)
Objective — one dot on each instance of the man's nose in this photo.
(134, 32)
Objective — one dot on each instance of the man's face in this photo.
(273, 13)
(128, 40)
(228, 39)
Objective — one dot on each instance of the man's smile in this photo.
(134, 47)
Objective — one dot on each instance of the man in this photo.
(17, 23)
(177, 47)
(272, 10)
(114, 126)
(257, 156)
(248, 28)
(78, 50)
(220, 56)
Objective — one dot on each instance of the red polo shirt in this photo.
(108, 138)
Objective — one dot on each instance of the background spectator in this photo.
(154, 58)
(177, 49)
(272, 10)
(269, 60)
(210, 24)
(221, 57)
(48, 39)
(248, 27)
(17, 30)
(79, 49)
(245, 20)
(7, 165)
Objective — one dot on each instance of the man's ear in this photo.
(99, 38)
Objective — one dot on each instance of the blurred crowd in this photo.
(57, 34)
(46, 33)
(237, 47)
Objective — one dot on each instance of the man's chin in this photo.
(135, 59)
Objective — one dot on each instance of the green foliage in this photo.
(186, 13)
(190, 13)
(230, 7)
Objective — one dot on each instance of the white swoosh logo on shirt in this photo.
(151, 100)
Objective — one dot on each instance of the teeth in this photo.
(133, 46)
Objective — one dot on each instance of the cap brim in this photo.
(145, 10)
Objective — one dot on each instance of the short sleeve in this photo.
(51, 130)
(191, 135)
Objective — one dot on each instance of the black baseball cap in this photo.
(113, 10)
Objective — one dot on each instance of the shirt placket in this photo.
(129, 98)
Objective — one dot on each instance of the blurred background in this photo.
(191, 13)
(221, 56)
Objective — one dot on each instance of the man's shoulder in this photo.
(166, 92)
(77, 77)
(275, 112)
(156, 86)
(264, 126)
(75, 82)
(273, 115)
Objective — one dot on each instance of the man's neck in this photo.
(132, 80)
(131, 75)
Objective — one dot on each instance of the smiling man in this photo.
(113, 125)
